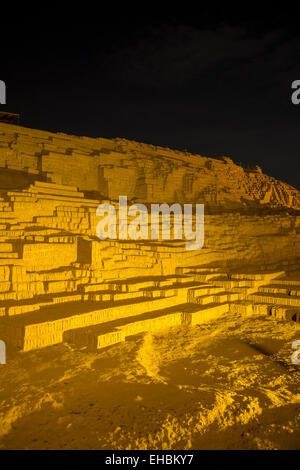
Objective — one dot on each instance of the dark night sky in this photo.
(213, 83)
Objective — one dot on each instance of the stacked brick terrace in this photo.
(59, 282)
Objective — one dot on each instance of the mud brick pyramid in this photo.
(59, 282)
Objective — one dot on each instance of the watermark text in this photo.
(296, 354)
(2, 92)
(2, 352)
(135, 223)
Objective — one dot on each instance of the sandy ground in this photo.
(227, 384)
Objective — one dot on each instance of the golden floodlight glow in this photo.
(146, 329)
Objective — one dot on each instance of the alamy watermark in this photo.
(2, 352)
(296, 354)
(2, 92)
(138, 228)
(296, 94)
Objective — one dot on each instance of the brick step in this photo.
(6, 255)
(284, 313)
(61, 223)
(127, 262)
(74, 200)
(15, 305)
(265, 276)
(100, 337)
(167, 281)
(280, 312)
(95, 287)
(203, 299)
(12, 307)
(226, 297)
(67, 273)
(110, 251)
(286, 289)
(126, 272)
(70, 211)
(206, 276)
(289, 282)
(223, 281)
(61, 239)
(196, 269)
(232, 283)
(166, 291)
(11, 262)
(9, 235)
(131, 285)
(17, 197)
(158, 247)
(243, 292)
(197, 314)
(157, 281)
(75, 219)
(275, 299)
(6, 247)
(49, 239)
(241, 307)
(47, 190)
(246, 307)
(125, 291)
(21, 225)
(6, 217)
(114, 332)
(202, 290)
(33, 229)
(185, 279)
(219, 297)
(58, 187)
(183, 289)
(28, 331)
(4, 204)
(67, 297)
(113, 296)
(126, 251)
(32, 303)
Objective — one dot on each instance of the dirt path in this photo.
(228, 384)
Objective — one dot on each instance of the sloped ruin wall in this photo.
(109, 168)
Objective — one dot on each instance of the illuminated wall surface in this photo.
(200, 341)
